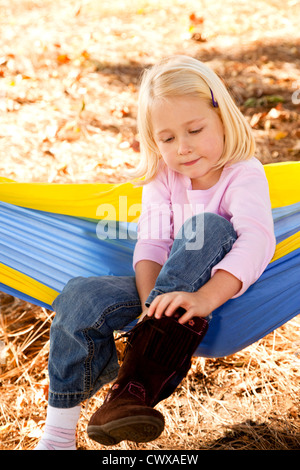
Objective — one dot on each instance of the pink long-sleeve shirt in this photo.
(241, 196)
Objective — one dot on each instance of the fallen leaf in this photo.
(256, 118)
(196, 19)
(63, 58)
(280, 135)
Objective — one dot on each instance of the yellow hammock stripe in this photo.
(288, 245)
(121, 202)
(284, 183)
(25, 284)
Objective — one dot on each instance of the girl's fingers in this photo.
(160, 304)
(185, 317)
(168, 304)
(174, 305)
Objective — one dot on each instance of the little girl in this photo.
(205, 235)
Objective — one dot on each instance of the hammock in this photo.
(51, 233)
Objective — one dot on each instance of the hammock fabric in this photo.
(51, 233)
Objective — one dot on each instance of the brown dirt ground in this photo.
(69, 74)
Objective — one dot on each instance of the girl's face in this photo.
(189, 135)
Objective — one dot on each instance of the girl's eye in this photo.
(170, 139)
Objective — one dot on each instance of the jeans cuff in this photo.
(154, 293)
(69, 400)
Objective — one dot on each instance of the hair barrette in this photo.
(214, 102)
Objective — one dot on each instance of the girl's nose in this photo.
(184, 147)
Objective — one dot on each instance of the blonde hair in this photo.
(180, 76)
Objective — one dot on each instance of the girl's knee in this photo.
(78, 307)
(212, 221)
(206, 225)
(85, 299)
(75, 295)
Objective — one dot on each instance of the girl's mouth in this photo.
(190, 163)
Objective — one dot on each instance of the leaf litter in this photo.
(69, 75)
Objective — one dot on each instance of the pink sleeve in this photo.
(155, 226)
(247, 202)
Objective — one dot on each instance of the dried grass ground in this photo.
(69, 76)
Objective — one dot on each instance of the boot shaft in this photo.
(158, 354)
(157, 357)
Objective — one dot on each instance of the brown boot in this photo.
(157, 357)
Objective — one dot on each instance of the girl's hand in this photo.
(195, 304)
(220, 288)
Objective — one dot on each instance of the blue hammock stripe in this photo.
(53, 248)
(40, 251)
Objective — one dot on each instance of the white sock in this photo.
(60, 429)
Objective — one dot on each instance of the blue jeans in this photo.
(82, 349)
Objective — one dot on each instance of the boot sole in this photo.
(132, 428)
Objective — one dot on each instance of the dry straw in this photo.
(247, 401)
